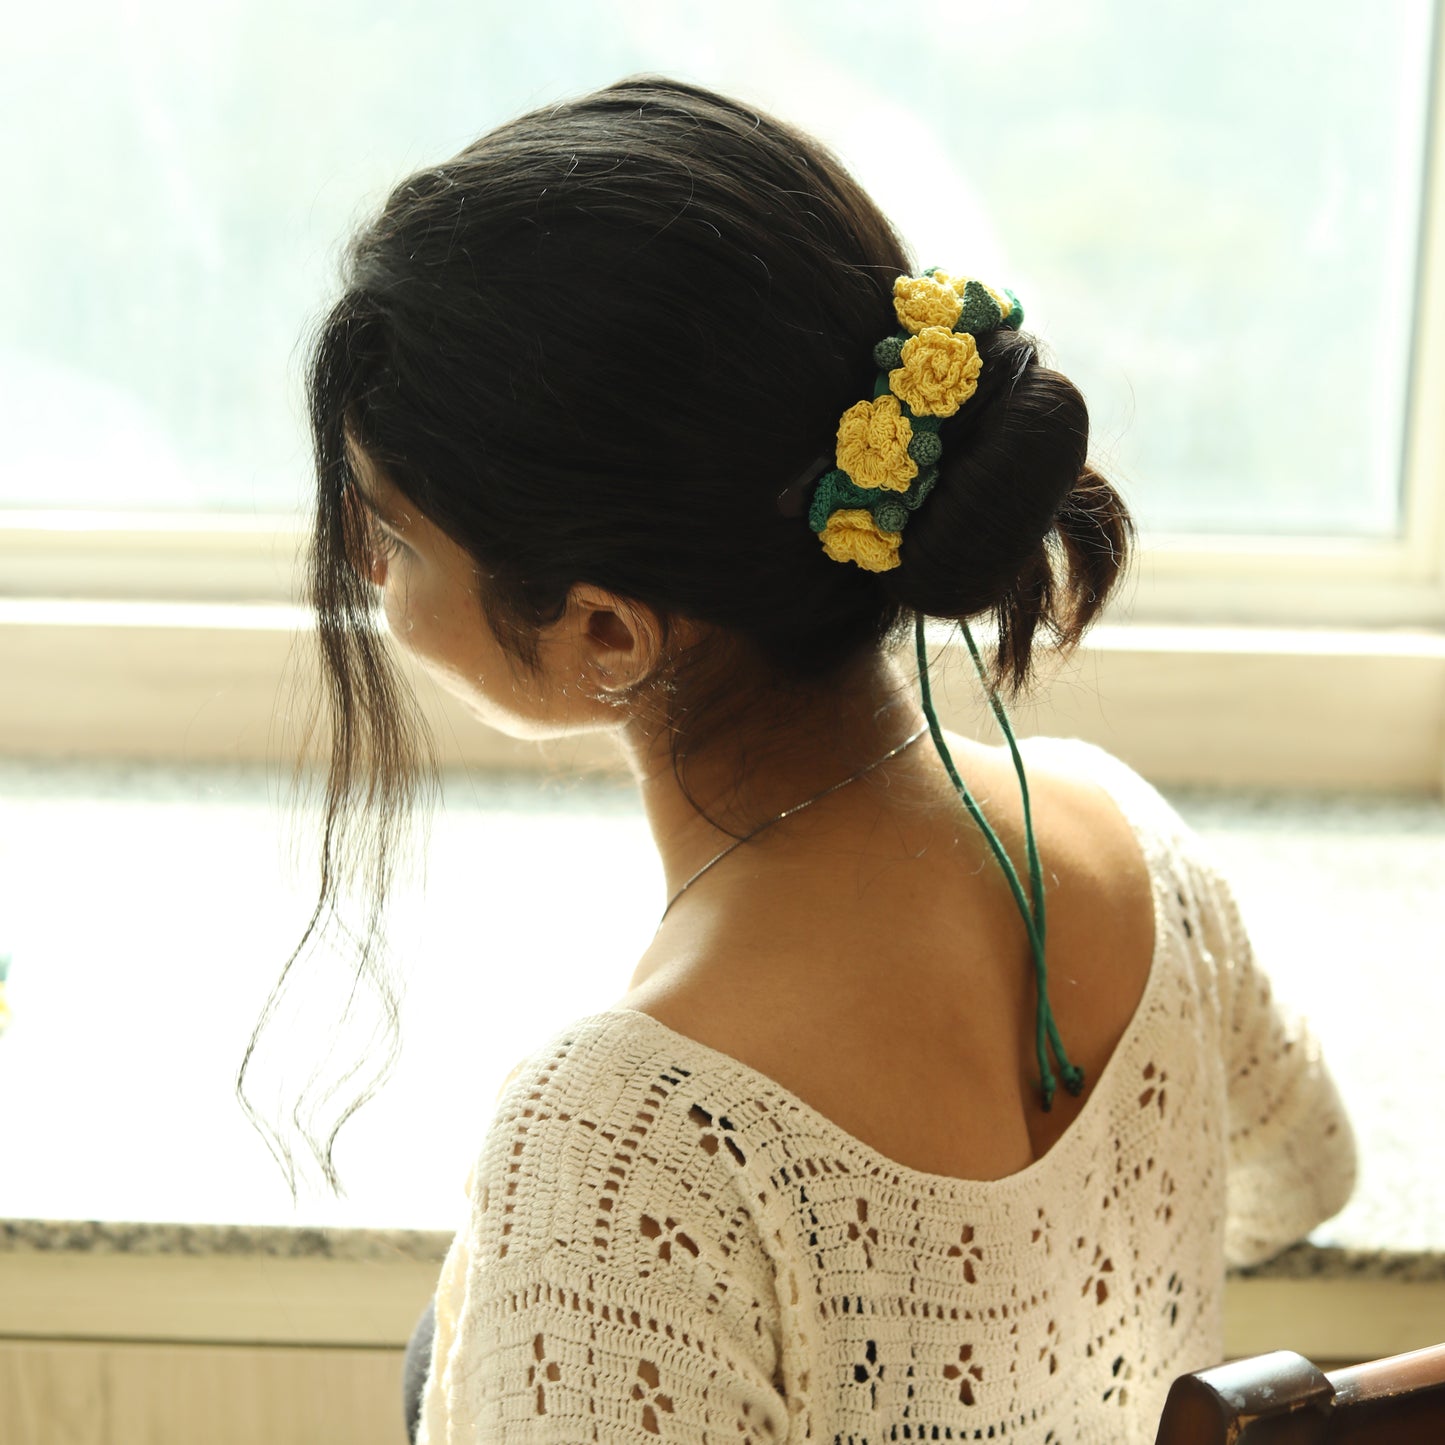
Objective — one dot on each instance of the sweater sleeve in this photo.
(1291, 1155)
(555, 1349)
(609, 1284)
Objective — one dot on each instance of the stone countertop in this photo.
(1307, 1260)
(95, 1237)
(131, 1013)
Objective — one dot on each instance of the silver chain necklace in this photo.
(788, 813)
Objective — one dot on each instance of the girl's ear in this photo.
(618, 643)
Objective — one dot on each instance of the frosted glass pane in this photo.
(1211, 213)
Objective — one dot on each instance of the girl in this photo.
(636, 416)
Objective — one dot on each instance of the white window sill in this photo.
(1241, 706)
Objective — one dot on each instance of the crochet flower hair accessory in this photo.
(888, 448)
(886, 463)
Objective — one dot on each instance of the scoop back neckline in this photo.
(1067, 1143)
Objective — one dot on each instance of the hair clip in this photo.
(793, 499)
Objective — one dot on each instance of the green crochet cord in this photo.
(1046, 1033)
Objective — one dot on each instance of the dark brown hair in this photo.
(595, 347)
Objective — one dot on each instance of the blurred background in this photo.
(1211, 212)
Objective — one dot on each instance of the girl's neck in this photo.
(774, 759)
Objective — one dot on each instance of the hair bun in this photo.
(1019, 525)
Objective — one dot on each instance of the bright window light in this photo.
(1211, 214)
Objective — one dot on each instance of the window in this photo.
(1217, 218)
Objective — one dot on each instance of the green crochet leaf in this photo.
(980, 312)
(835, 492)
(922, 485)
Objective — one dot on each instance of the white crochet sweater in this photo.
(664, 1245)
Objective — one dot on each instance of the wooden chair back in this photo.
(1282, 1399)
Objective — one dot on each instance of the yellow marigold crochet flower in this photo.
(939, 373)
(921, 301)
(873, 438)
(853, 536)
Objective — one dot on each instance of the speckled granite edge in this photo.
(377, 1246)
(1307, 1261)
(1303, 1261)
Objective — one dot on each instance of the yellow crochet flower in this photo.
(853, 536)
(873, 439)
(939, 373)
(921, 301)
